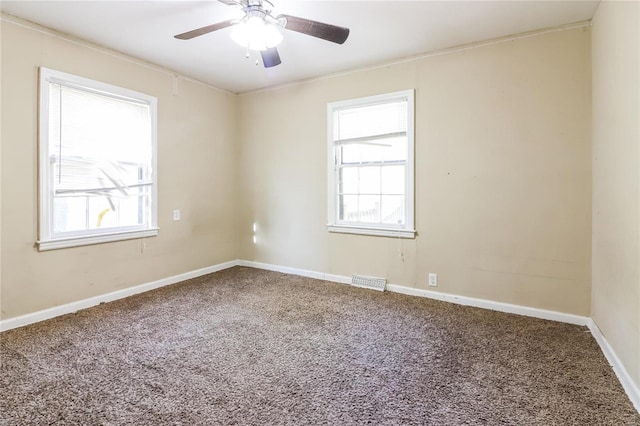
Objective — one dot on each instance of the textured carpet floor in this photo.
(244, 346)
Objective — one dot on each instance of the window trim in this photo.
(46, 240)
(333, 224)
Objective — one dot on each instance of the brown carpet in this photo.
(245, 346)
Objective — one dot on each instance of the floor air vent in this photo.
(368, 282)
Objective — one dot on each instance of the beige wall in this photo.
(616, 180)
(196, 173)
(0, 176)
(503, 160)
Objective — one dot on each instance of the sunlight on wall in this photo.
(255, 228)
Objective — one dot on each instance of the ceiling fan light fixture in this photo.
(259, 29)
(256, 34)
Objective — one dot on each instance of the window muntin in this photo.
(97, 162)
(371, 165)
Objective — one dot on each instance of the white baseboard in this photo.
(446, 297)
(492, 305)
(296, 271)
(633, 392)
(42, 315)
(68, 308)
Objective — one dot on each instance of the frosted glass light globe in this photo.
(256, 34)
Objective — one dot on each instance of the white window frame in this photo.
(46, 238)
(407, 230)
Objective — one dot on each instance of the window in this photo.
(371, 165)
(97, 162)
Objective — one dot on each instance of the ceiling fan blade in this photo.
(316, 29)
(270, 57)
(204, 30)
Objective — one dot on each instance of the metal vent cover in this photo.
(364, 281)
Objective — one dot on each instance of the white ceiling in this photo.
(381, 31)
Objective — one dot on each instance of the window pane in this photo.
(393, 209)
(97, 126)
(111, 212)
(362, 153)
(369, 208)
(393, 180)
(69, 214)
(371, 152)
(90, 176)
(132, 211)
(349, 181)
(348, 208)
(368, 120)
(396, 149)
(101, 215)
(350, 154)
(377, 150)
(369, 180)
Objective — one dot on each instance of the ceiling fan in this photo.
(258, 29)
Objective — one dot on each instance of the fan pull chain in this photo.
(248, 55)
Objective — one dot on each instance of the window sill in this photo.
(378, 232)
(94, 239)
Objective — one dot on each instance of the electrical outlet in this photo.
(176, 215)
(433, 280)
